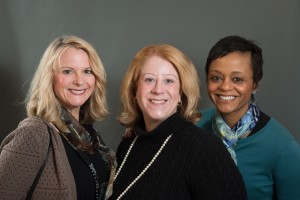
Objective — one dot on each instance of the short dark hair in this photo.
(235, 43)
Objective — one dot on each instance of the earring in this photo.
(179, 103)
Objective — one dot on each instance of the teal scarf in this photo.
(229, 135)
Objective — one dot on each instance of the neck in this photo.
(151, 125)
(231, 119)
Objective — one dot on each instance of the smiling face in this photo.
(158, 91)
(74, 80)
(230, 85)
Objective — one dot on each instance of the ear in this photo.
(180, 96)
(255, 86)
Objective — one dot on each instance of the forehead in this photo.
(156, 64)
(72, 53)
(233, 62)
(71, 56)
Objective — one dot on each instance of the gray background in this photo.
(119, 28)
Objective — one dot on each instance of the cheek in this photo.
(210, 88)
(142, 90)
(92, 82)
(138, 95)
(58, 84)
(177, 93)
(58, 91)
(60, 81)
(246, 91)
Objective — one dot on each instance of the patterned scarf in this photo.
(244, 126)
(79, 133)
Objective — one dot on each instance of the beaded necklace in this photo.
(144, 170)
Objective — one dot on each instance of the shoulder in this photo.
(282, 135)
(202, 139)
(286, 151)
(281, 129)
(125, 143)
(123, 148)
(204, 145)
(30, 136)
(33, 127)
(277, 133)
(276, 138)
(206, 117)
(210, 164)
(207, 113)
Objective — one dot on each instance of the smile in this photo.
(77, 91)
(227, 98)
(157, 101)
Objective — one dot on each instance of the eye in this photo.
(215, 78)
(149, 80)
(237, 79)
(169, 81)
(88, 71)
(67, 71)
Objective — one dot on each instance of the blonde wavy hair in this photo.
(189, 83)
(41, 100)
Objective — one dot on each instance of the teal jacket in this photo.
(269, 160)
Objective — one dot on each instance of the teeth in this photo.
(227, 97)
(157, 101)
(77, 91)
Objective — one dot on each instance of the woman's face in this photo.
(230, 85)
(74, 80)
(158, 91)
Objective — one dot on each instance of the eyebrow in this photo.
(88, 67)
(237, 72)
(234, 72)
(163, 75)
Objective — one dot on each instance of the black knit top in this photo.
(194, 164)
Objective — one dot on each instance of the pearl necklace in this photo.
(144, 170)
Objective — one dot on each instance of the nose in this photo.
(226, 84)
(78, 80)
(157, 88)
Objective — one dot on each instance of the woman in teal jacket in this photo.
(265, 152)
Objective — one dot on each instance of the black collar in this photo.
(262, 121)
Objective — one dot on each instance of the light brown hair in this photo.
(189, 83)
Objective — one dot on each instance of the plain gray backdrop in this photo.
(119, 28)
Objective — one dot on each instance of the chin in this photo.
(221, 109)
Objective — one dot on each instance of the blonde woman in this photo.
(66, 96)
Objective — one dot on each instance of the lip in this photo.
(226, 97)
(77, 91)
(158, 101)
